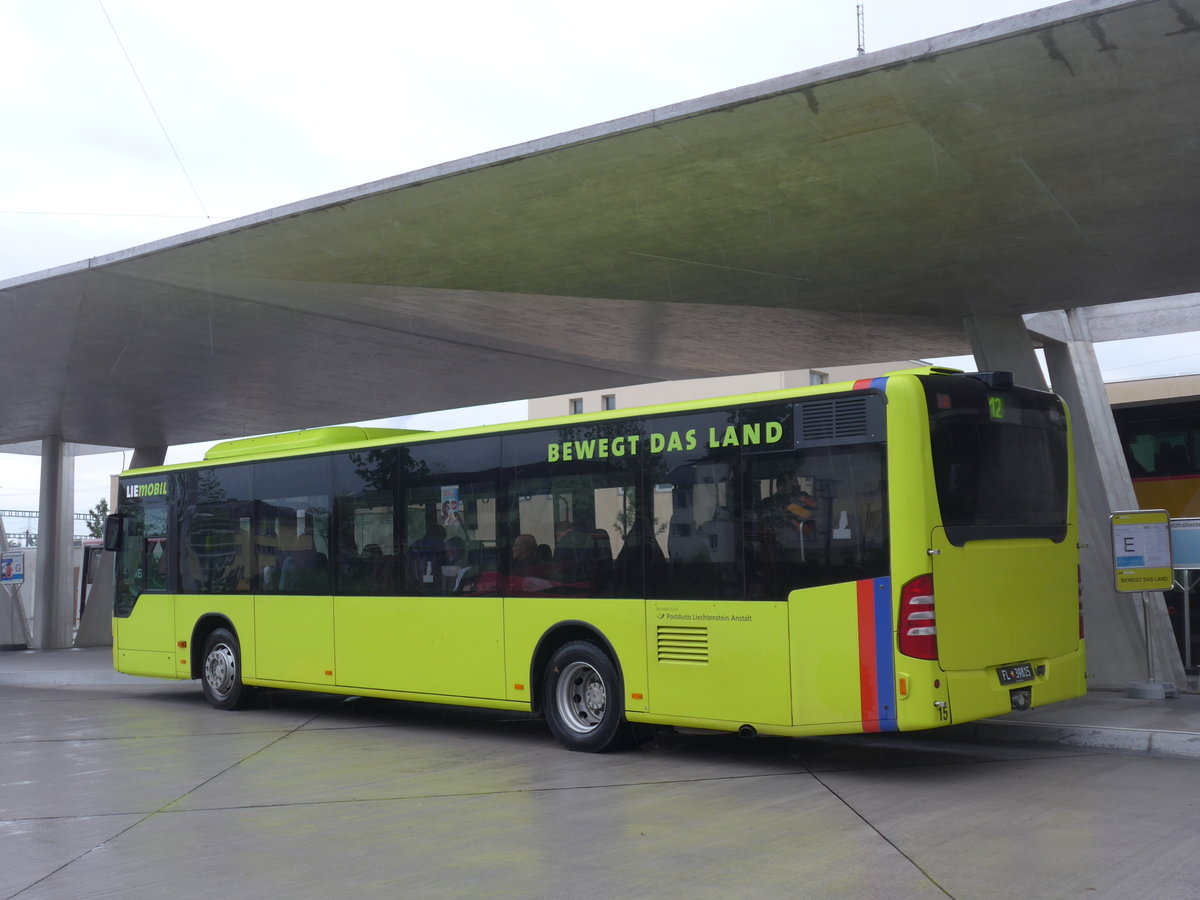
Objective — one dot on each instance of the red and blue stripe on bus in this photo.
(876, 661)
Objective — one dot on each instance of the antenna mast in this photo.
(862, 33)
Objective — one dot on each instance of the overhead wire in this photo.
(150, 103)
(116, 215)
(1151, 362)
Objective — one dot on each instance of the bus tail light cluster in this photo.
(918, 620)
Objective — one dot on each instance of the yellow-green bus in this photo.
(885, 555)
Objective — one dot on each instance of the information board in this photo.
(12, 568)
(1185, 543)
(1141, 545)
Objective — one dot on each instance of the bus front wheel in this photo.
(221, 672)
(583, 699)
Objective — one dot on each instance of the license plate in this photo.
(1017, 674)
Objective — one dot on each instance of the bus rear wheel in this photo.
(582, 694)
(221, 672)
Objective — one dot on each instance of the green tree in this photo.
(96, 516)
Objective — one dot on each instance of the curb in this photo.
(1177, 744)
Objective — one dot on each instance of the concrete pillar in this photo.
(145, 457)
(1115, 628)
(52, 612)
(95, 626)
(65, 624)
(1001, 343)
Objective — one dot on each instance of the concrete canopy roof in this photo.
(846, 214)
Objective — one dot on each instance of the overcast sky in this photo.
(125, 121)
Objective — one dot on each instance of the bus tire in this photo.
(582, 696)
(221, 672)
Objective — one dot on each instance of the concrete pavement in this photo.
(118, 787)
(1103, 720)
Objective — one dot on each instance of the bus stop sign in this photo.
(1185, 543)
(12, 568)
(1141, 545)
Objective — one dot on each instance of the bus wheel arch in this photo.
(205, 626)
(220, 667)
(550, 642)
(580, 691)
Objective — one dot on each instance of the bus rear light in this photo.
(918, 619)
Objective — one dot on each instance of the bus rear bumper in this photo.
(979, 693)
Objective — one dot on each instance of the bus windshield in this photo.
(999, 460)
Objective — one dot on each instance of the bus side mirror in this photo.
(112, 533)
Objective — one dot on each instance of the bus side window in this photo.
(693, 502)
(216, 549)
(569, 520)
(450, 510)
(291, 503)
(814, 519)
(366, 545)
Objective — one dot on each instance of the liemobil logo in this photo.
(153, 489)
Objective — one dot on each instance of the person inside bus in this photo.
(456, 552)
(1171, 459)
(641, 564)
(569, 539)
(579, 552)
(375, 568)
(426, 554)
(456, 567)
(790, 509)
(347, 559)
(525, 557)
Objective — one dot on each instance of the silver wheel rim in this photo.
(220, 670)
(582, 697)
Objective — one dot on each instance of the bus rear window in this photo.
(1160, 441)
(999, 460)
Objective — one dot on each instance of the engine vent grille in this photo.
(683, 644)
(841, 420)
